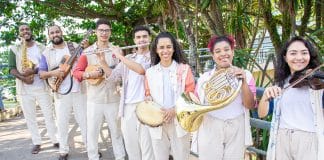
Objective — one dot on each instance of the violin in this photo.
(313, 79)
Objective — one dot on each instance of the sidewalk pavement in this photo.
(15, 141)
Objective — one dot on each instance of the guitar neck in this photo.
(74, 55)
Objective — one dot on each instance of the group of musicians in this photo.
(159, 72)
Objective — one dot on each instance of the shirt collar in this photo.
(172, 67)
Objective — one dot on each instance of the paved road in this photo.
(15, 142)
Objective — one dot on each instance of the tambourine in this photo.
(149, 113)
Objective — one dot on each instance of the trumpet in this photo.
(109, 50)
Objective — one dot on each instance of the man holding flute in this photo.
(131, 71)
(102, 99)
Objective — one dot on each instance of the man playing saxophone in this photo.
(23, 64)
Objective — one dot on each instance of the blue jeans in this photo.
(1, 103)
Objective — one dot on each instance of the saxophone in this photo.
(25, 62)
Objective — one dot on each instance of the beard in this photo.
(57, 40)
(28, 38)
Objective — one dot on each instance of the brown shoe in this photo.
(100, 155)
(56, 145)
(63, 156)
(36, 149)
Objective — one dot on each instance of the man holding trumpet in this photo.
(102, 99)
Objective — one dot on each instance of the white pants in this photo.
(136, 136)
(170, 144)
(63, 107)
(221, 139)
(95, 113)
(296, 145)
(28, 106)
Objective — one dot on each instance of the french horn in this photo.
(221, 89)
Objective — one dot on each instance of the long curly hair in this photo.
(282, 70)
(178, 54)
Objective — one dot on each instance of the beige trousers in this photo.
(296, 145)
(63, 107)
(95, 115)
(170, 144)
(221, 139)
(137, 138)
(28, 106)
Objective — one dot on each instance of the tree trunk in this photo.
(285, 8)
(190, 36)
(318, 14)
(306, 16)
(270, 24)
(211, 25)
(217, 17)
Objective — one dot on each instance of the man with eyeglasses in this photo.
(131, 70)
(103, 99)
(75, 98)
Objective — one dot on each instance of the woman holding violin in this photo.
(297, 127)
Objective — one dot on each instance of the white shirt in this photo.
(135, 88)
(34, 55)
(168, 93)
(59, 53)
(296, 110)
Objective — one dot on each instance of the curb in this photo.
(11, 112)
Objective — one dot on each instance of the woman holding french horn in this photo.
(225, 132)
(297, 128)
(165, 81)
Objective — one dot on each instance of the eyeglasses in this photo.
(102, 31)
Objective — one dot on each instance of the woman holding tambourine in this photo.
(166, 80)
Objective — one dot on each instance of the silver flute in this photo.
(109, 50)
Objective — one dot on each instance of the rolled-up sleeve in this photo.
(190, 82)
(80, 68)
(116, 73)
(43, 64)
